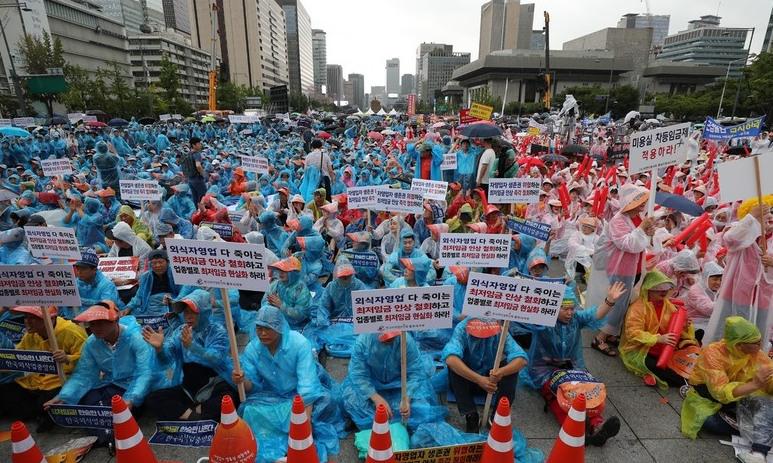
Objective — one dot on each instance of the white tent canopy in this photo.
(393, 112)
(369, 112)
(381, 112)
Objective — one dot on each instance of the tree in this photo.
(40, 54)
(80, 88)
(232, 96)
(760, 84)
(120, 93)
(169, 80)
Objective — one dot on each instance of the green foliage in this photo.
(515, 108)
(168, 79)
(759, 78)
(485, 98)
(232, 96)
(40, 53)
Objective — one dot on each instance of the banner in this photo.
(119, 268)
(5, 123)
(411, 104)
(30, 361)
(152, 321)
(242, 118)
(535, 128)
(393, 200)
(362, 197)
(89, 118)
(737, 178)
(256, 164)
(362, 259)
(475, 250)
(54, 242)
(38, 285)
(463, 453)
(13, 330)
(538, 230)
(56, 167)
(430, 189)
(82, 416)
(481, 111)
(405, 309)
(465, 117)
(514, 190)
(449, 161)
(713, 130)
(225, 230)
(23, 122)
(140, 190)
(218, 264)
(515, 299)
(656, 148)
(184, 433)
(164, 117)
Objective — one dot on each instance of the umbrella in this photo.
(630, 115)
(14, 132)
(96, 124)
(146, 120)
(208, 118)
(554, 158)
(481, 130)
(375, 136)
(7, 195)
(678, 203)
(118, 122)
(388, 132)
(574, 149)
(323, 135)
(58, 120)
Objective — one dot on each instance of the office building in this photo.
(767, 44)
(407, 84)
(335, 82)
(437, 66)
(378, 92)
(537, 40)
(129, 13)
(705, 42)
(348, 92)
(300, 60)
(319, 57)
(422, 50)
(393, 76)
(505, 25)
(254, 55)
(358, 91)
(658, 22)
(622, 42)
(177, 16)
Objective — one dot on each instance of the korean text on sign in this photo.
(449, 162)
(362, 259)
(362, 197)
(538, 230)
(256, 164)
(513, 190)
(55, 167)
(32, 361)
(430, 189)
(82, 416)
(218, 264)
(140, 190)
(656, 148)
(475, 250)
(119, 268)
(392, 200)
(184, 433)
(515, 299)
(464, 453)
(58, 242)
(38, 285)
(406, 309)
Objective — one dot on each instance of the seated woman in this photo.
(288, 292)
(700, 298)
(278, 365)
(681, 268)
(646, 332)
(156, 288)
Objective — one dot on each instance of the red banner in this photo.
(465, 118)
(411, 104)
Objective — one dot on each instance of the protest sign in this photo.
(430, 189)
(406, 309)
(463, 453)
(362, 197)
(89, 118)
(5, 123)
(393, 200)
(513, 299)
(535, 128)
(514, 190)
(538, 230)
(164, 117)
(152, 321)
(713, 130)
(140, 190)
(184, 433)
(74, 117)
(23, 122)
(242, 118)
(256, 164)
(31, 361)
(656, 148)
(224, 230)
(218, 264)
(82, 416)
(119, 268)
(475, 249)
(54, 242)
(38, 285)
(466, 118)
(362, 259)
(481, 111)
(449, 162)
(736, 178)
(56, 167)
(13, 330)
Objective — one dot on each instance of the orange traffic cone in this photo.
(300, 444)
(23, 447)
(130, 444)
(499, 446)
(380, 450)
(570, 445)
(233, 441)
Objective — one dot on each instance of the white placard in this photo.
(55, 167)
(516, 299)
(75, 117)
(256, 164)
(54, 242)
(393, 200)
(140, 190)
(405, 309)
(119, 268)
(218, 264)
(449, 161)
(89, 118)
(178, 117)
(361, 197)
(164, 117)
(5, 123)
(38, 285)
(737, 178)
(475, 249)
(514, 190)
(430, 189)
(656, 148)
(23, 122)
(242, 118)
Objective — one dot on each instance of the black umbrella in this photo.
(481, 130)
(146, 120)
(738, 150)
(118, 122)
(58, 120)
(554, 158)
(574, 149)
(678, 203)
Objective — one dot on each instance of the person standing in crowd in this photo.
(193, 169)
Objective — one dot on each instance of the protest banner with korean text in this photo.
(393, 200)
(82, 416)
(152, 321)
(513, 190)
(449, 161)
(218, 264)
(463, 453)
(430, 189)
(713, 130)
(475, 249)
(12, 330)
(513, 299)
(140, 190)
(54, 242)
(30, 361)
(362, 197)
(538, 230)
(362, 259)
(256, 164)
(184, 433)
(119, 268)
(656, 148)
(56, 167)
(224, 230)
(405, 309)
(481, 111)
(38, 285)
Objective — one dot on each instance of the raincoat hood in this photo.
(651, 280)
(738, 330)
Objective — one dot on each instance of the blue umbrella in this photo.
(118, 122)
(678, 203)
(14, 132)
(481, 130)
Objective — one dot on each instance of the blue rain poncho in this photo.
(89, 228)
(336, 300)
(437, 156)
(366, 265)
(107, 166)
(146, 303)
(375, 368)
(295, 297)
(519, 257)
(305, 228)
(459, 292)
(180, 224)
(13, 251)
(392, 269)
(479, 354)
(274, 235)
(101, 288)
(129, 364)
(181, 202)
(276, 379)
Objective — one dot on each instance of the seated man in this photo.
(336, 300)
(470, 358)
(156, 289)
(364, 260)
(93, 285)
(288, 292)
(23, 399)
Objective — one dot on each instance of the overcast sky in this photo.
(363, 34)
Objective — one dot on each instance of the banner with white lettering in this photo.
(713, 130)
(56, 167)
(657, 148)
(184, 433)
(140, 190)
(13, 330)
(475, 249)
(119, 268)
(152, 321)
(538, 230)
(362, 259)
(54, 242)
(362, 197)
(393, 200)
(430, 189)
(218, 264)
(38, 285)
(23, 122)
(82, 416)
(31, 361)
(514, 190)
(449, 161)
(256, 164)
(405, 309)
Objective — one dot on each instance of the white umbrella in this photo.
(388, 132)
(630, 115)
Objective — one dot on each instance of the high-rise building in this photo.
(251, 40)
(176, 15)
(422, 50)
(623, 42)
(767, 44)
(129, 12)
(393, 76)
(300, 58)
(436, 68)
(379, 93)
(335, 82)
(658, 22)
(537, 40)
(358, 91)
(706, 42)
(407, 84)
(319, 52)
(349, 92)
(505, 25)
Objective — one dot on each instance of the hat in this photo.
(465, 209)
(298, 199)
(89, 258)
(187, 303)
(632, 196)
(491, 209)
(482, 329)
(555, 203)
(537, 261)
(455, 186)
(11, 236)
(36, 220)
(589, 221)
(288, 264)
(344, 270)
(106, 193)
(270, 317)
(158, 254)
(388, 335)
(547, 180)
(96, 313)
(37, 311)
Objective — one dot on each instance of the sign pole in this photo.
(52, 344)
(403, 370)
(503, 335)
(763, 244)
(229, 326)
(653, 190)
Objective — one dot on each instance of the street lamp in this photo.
(14, 77)
(727, 73)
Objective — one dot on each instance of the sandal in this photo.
(603, 347)
(613, 340)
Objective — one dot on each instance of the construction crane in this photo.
(212, 101)
(547, 76)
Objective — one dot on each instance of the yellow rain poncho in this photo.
(721, 368)
(138, 226)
